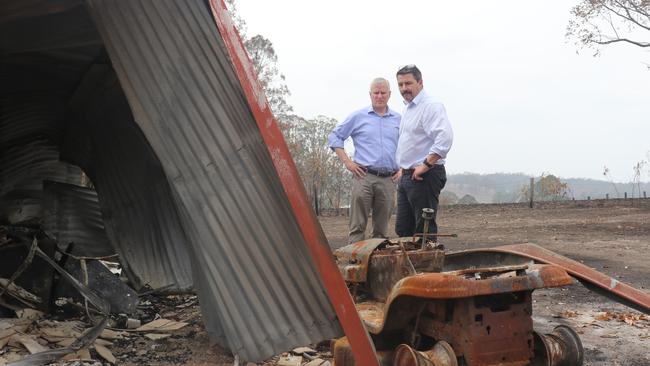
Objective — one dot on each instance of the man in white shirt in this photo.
(425, 139)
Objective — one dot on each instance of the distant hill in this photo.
(505, 187)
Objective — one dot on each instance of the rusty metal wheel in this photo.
(443, 354)
(440, 355)
(561, 347)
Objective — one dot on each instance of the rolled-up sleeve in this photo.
(437, 126)
(341, 132)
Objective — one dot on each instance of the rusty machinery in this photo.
(418, 314)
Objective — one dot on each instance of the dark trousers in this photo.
(413, 196)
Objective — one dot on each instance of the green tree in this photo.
(547, 188)
(467, 199)
(602, 22)
(324, 177)
(262, 53)
(265, 60)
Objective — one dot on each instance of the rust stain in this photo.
(313, 235)
(580, 271)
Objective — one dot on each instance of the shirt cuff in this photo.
(334, 142)
(437, 151)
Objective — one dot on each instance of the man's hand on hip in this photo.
(396, 177)
(357, 170)
(419, 170)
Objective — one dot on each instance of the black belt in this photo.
(410, 171)
(380, 173)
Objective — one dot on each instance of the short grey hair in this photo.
(376, 81)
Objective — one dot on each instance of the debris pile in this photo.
(61, 309)
(320, 355)
(635, 319)
(33, 332)
(81, 312)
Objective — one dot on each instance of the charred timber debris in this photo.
(64, 306)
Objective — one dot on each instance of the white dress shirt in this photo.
(425, 129)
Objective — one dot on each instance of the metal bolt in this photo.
(427, 216)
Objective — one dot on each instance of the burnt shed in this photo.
(124, 130)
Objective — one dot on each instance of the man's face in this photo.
(408, 86)
(379, 95)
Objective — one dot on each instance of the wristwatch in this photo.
(425, 162)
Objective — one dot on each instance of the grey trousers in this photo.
(371, 194)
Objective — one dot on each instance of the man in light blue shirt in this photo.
(425, 139)
(374, 131)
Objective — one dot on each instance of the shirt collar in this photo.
(421, 95)
(389, 112)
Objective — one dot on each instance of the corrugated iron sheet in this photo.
(48, 49)
(26, 118)
(30, 130)
(313, 235)
(137, 203)
(25, 167)
(259, 290)
(72, 216)
(19, 208)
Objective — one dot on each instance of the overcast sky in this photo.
(519, 97)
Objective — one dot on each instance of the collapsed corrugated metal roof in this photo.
(138, 207)
(72, 216)
(62, 109)
(186, 186)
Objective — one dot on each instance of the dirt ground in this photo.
(611, 236)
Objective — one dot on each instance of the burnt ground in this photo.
(611, 236)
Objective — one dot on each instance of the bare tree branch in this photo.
(636, 9)
(630, 17)
(640, 44)
(611, 23)
(622, 19)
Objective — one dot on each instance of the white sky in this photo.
(519, 97)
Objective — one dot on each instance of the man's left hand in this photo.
(396, 177)
(419, 170)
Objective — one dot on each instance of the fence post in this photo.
(644, 195)
(532, 189)
(625, 196)
(606, 196)
(588, 198)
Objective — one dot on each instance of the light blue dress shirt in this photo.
(374, 137)
(425, 130)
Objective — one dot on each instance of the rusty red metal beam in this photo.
(362, 346)
(578, 270)
(452, 286)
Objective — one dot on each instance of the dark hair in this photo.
(410, 69)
